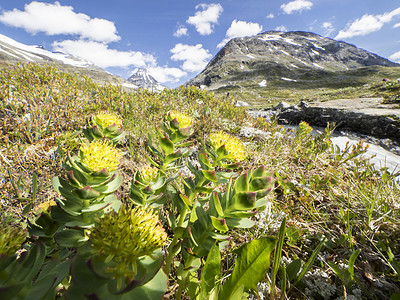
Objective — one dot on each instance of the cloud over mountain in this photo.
(296, 6)
(55, 19)
(194, 57)
(205, 18)
(101, 55)
(240, 29)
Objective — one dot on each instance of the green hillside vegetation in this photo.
(96, 180)
(308, 86)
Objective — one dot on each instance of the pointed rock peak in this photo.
(144, 80)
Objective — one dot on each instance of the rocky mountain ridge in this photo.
(283, 56)
(143, 79)
(12, 52)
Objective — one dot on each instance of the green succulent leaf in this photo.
(222, 152)
(292, 269)
(243, 201)
(242, 183)
(260, 183)
(260, 172)
(110, 186)
(95, 207)
(204, 160)
(232, 166)
(210, 175)
(250, 266)
(172, 157)
(211, 272)
(219, 224)
(174, 123)
(166, 145)
(202, 216)
(239, 223)
(70, 238)
(185, 132)
(154, 289)
(86, 193)
(215, 204)
(160, 183)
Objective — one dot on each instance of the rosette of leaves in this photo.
(231, 209)
(177, 128)
(87, 191)
(123, 258)
(147, 186)
(105, 125)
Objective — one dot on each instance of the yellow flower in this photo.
(105, 119)
(149, 173)
(127, 235)
(99, 155)
(45, 206)
(233, 145)
(183, 119)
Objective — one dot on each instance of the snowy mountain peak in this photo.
(12, 50)
(144, 80)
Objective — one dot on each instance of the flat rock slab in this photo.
(369, 106)
(366, 116)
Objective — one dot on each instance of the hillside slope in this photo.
(12, 52)
(296, 60)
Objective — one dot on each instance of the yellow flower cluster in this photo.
(99, 155)
(149, 173)
(127, 235)
(105, 119)
(183, 119)
(233, 145)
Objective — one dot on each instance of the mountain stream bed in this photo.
(383, 153)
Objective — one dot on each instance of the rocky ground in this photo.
(366, 116)
(370, 106)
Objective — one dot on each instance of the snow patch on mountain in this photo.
(263, 83)
(38, 53)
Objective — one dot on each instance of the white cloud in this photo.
(296, 6)
(396, 25)
(166, 74)
(281, 28)
(367, 24)
(181, 31)
(395, 57)
(240, 29)
(271, 16)
(205, 19)
(194, 58)
(54, 19)
(102, 56)
(328, 26)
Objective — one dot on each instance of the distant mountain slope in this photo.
(144, 80)
(273, 57)
(12, 52)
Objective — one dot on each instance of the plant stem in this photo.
(182, 283)
(171, 253)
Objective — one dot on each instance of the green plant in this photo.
(346, 275)
(200, 214)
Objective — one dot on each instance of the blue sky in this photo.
(175, 39)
